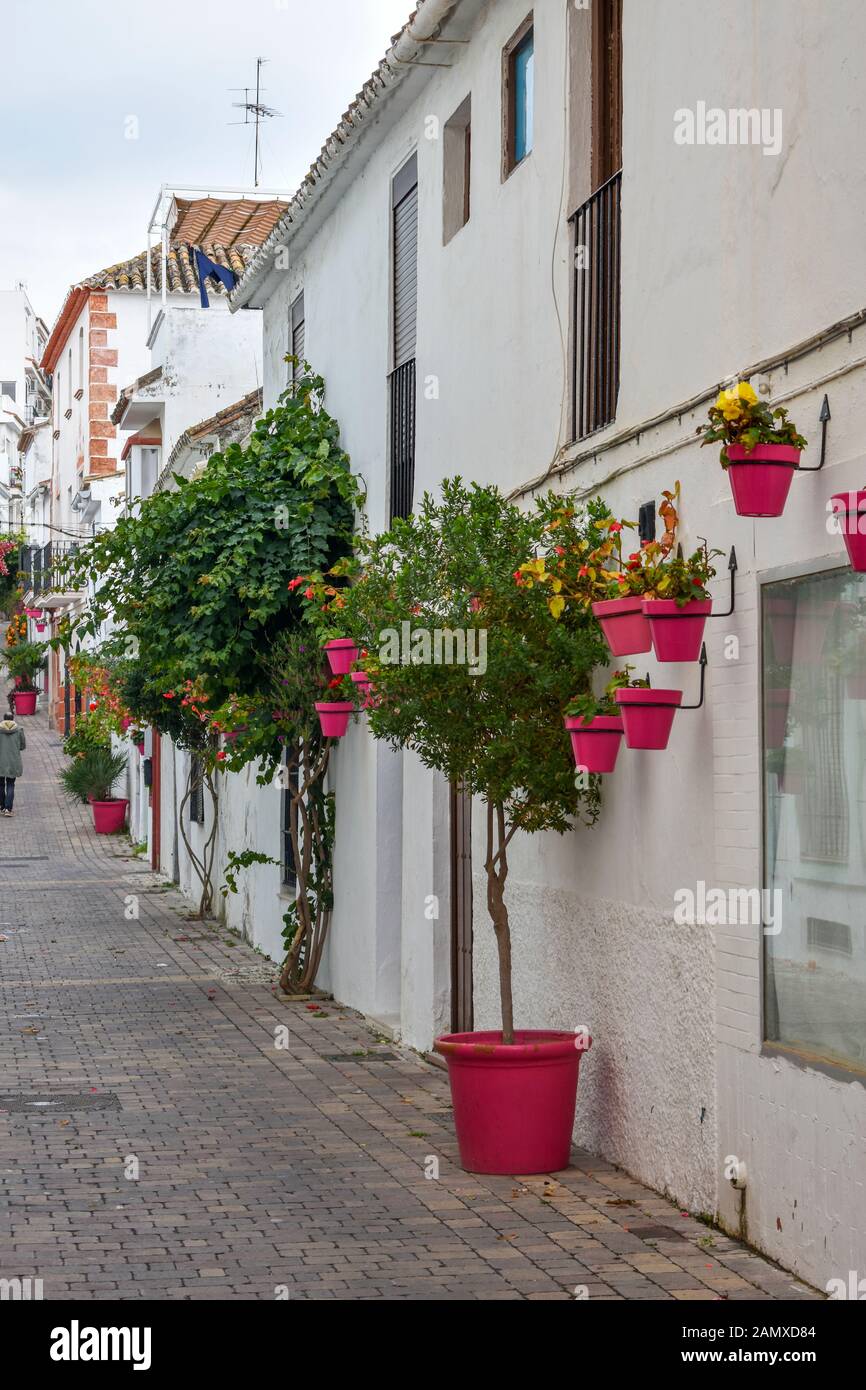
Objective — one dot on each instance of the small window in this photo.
(7, 388)
(518, 82)
(457, 158)
(297, 337)
(196, 795)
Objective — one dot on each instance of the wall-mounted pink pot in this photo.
(648, 715)
(760, 478)
(677, 632)
(595, 742)
(622, 621)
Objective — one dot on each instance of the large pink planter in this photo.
(25, 701)
(761, 479)
(850, 507)
(108, 816)
(514, 1105)
(625, 628)
(677, 633)
(341, 653)
(648, 715)
(334, 717)
(595, 742)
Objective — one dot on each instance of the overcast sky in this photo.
(76, 194)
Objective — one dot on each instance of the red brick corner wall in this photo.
(103, 394)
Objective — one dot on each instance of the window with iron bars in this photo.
(196, 798)
(287, 856)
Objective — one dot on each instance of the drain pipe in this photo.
(429, 18)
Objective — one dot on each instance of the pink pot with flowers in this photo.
(334, 716)
(365, 687)
(342, 655)
(647, 715)
(677, 629)
(595, 742)
(760, 478)
(624, 625)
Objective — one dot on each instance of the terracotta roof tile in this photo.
(181, 273)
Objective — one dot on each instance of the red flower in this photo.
(582, 572)
(168, 695)
(615, 526)
(635, 565)
(697, 581)
(310, 593)
(560, 549)
(338, 680)
(93, 705)
(635, 555)
(293, 583)
(221, 757)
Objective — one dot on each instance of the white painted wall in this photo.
(727, 256)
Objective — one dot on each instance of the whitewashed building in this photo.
(538, 242)
(24, 397)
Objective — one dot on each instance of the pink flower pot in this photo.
(625, 628)
(850, 507)
(40, 627)
(777, 700)
(514, 1105)
(334, 717)
(595, 742)
(140, 747)
(341, 653)
(364, 684)
(25, 701)
(760, 480)
(648, 716)
(108, 816)
(677, 633)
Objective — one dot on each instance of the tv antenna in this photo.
(254, 112)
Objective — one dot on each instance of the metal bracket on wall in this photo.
(823, 417)
(732, 566)
(702, 662)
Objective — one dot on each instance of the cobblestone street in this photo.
(158, 1144)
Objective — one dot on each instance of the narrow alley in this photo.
(160, 1140)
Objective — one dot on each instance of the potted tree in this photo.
(457, 564)
(761, 448)
(24, 661)
(91, 777)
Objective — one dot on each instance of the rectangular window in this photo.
(814, 797)
(456, 166)
(518, 93)
(7, 388)
(196, 797)
(297, 337)
(404, 295)
(287, 856)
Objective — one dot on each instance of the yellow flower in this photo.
(745, 393)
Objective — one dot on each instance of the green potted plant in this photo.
(24, 661)
(594, 724)
(91, 777)
(677, 602)
(456, 564)
(760, 449)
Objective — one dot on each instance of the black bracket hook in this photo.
(823, 417)
(703, 665)
(732, 566)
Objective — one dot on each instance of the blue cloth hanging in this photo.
(205, 267)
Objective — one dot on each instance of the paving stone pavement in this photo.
(229, 1168)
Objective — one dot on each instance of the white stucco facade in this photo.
(731, 261)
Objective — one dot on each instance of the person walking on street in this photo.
(12, 741)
